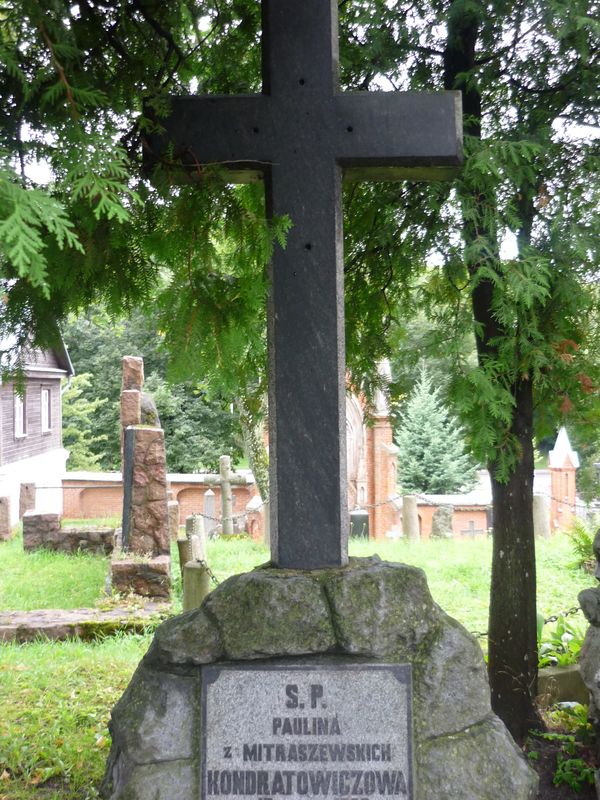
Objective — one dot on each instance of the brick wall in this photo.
(464, 520)
(100, 495)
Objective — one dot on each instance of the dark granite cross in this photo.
(300, 134)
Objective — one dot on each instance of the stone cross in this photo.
(300, 134)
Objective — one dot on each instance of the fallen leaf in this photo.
(5, 776)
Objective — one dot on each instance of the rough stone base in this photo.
(147, 577)
(40, 530)
(369, 609)
(44, 530)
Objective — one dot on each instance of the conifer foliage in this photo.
(432, 458)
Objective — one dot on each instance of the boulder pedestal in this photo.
(369, 610)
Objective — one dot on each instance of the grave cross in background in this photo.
(300, 134)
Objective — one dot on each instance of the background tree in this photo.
(432, 455)
(197, 429)
(79, 430)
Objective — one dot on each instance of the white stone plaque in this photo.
(338, 731)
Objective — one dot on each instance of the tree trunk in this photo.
(512, 661)
(254, 447)
(512, 654)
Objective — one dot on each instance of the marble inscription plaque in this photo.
(338, 731)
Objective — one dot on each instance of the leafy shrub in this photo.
(563, 646)
(582, 540)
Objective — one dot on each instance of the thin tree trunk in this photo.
(254, 446)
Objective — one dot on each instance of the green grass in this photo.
(43, 579)
(55, 697)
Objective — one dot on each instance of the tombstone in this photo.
(471, 531)
(270, 687)
(26, 498)
(359, 523)
(210, 509)
(5, 526)
(173, 516)
(227, 528)
(410, 518)
(541, 516)
(441, 522)
(143, 564)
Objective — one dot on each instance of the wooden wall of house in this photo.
(35, 441)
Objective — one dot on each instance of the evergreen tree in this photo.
(432, 458)
(79, 431)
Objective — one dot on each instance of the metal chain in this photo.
(211, 574)
(553, 618)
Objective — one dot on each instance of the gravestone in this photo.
(441, 522)
(5, 526)
(143, 563)
(364, 631)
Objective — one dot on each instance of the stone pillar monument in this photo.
(143, 563)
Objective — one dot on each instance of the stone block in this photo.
(154, 719)
(481, 762)
(40, 529)
(26, 498)
(381, 609)
(133, 373)
(130, 407)
(264, 613)
(450, 685)
(191, 638)
(173, 514)
(169, 780)
(146, 577)
(5, 526)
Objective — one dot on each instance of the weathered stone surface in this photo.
(26, 498)
(589, 600)
(589, 666)
(381, 609)
(264, 613)
(40, 530)
(147, 577)
(5, 526)
(480, 763)
(450, 684)
(149, 531)
(190, 638)
(169, 780)
(133, 373)
(173, 511)
(83, 623)
(155, 718)
(441, 522)
(130, 407)
(374, 609)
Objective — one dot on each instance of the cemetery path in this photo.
(82, 623)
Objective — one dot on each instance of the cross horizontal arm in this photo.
(394, 135)
(225, 130)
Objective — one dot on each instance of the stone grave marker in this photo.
(339, 729)
(357, 630)
(5, 526)
(143, 563)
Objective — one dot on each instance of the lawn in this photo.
(56, 697)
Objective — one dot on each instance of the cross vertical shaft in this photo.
(299, 134)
